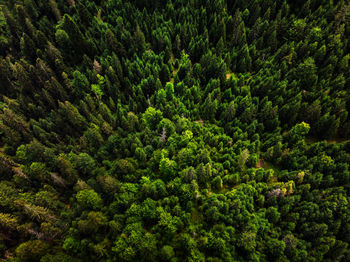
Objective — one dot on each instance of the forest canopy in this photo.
(135, 130)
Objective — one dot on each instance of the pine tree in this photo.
(320, 54)
(25, 81)
(272, 40)
(76, 37)
(13, 26)
(220, 47)
(63, 40)
(28, 47)
(55, 10)
(245, 64)
(84, 14)
(140, 42)
(111, 40)
(72, 115)
(239, 35)
(22, 15)
(40, 39)
(31, 8)
(5, 77)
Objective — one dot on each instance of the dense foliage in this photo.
(174, 130)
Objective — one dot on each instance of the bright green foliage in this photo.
(84, 162)
(169, 88)
(167, 167)
(174, 130)
(62, 39)
(298, 132)
(97, 89)
(152, 117)
(71, 244)
(89, 199)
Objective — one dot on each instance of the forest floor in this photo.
(268, 165)
(200, 121)
(174, 73)
(261, 163)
